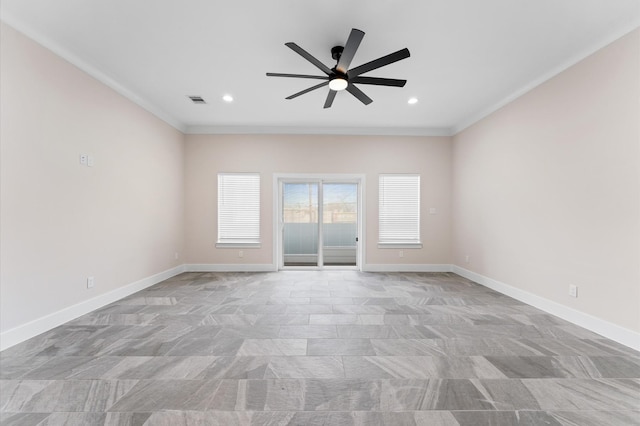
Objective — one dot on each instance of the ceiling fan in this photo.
(341, 77)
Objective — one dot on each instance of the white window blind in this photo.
(399, 209)
(238, 208)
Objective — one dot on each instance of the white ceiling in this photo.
(468, 57)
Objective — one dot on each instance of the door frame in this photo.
(320, 178)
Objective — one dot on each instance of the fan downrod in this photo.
(336, 52)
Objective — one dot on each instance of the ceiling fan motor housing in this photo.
(336, 52)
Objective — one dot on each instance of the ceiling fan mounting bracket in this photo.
(336, 52)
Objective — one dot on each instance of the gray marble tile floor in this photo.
(319, 348)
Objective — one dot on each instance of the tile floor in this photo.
(319, 348)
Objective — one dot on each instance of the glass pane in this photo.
(340, 223)
(300, 218)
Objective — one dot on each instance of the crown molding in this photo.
(110, 82)
(310, 130)
(103, 78)
(456, 128)
(573, 60)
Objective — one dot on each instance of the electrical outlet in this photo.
(240, 254)
(573, 290)
(401, 253)
(90, 282)
(466, 259)
(83, 159)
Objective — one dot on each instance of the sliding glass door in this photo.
(339, 224)
(319, 223)
(300, 218)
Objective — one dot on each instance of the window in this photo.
(399, 211)
(238, 209)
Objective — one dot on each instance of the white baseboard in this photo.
(267, 267)
(38, 326)
(606, 329)
(235, 267)
(403, 267)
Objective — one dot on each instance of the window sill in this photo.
(238, 244)
(400, 245)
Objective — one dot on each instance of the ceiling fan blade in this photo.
(317, 86)
(355, 37)
(300, 51)
(380, 62)
(317, 77)
(359, 94)
(377, 81)
(330, 97)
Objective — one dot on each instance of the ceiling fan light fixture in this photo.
(338, 83)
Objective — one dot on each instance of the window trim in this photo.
(238, 244)
(399, 245)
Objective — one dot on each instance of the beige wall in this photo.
(207, 155)
(546, 190)
(119, 221)
(541, 194)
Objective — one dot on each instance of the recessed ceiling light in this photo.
(227, 98)
(412, 101)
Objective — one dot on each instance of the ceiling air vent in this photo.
(197, 100)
